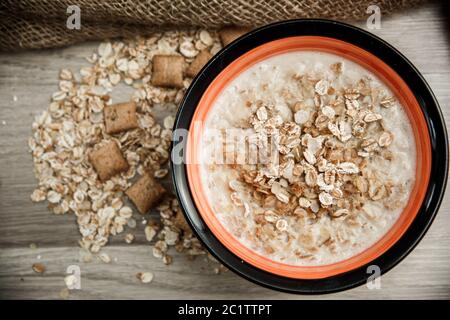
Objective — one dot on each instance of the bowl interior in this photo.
(367, 60)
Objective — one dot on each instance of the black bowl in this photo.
(425, 98)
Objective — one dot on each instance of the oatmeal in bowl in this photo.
(328, 158)
(308, 158)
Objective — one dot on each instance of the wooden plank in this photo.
(187, 279)
(421, 34)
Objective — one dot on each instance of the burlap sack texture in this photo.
(28, 24)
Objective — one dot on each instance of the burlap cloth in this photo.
(42, 23)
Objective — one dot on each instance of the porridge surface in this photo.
(342, 166)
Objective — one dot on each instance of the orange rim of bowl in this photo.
(367, 60)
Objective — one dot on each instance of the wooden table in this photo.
(421, 34)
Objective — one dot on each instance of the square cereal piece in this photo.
(145, 193)
(229, 34)
(168, 71)
(181, 223)
(108, 161)
(200, 60)
(120, 117)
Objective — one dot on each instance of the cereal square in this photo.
(229, 34)
(200, 60)
(120, 117)
(168, 71)
(145, 193)
(108, 161)
(181, 223)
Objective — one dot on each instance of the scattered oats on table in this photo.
(38, 268)
(81, 117)
(129, 238)
(103, 256)
(145, 277)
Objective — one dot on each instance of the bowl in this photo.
(388, 65)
